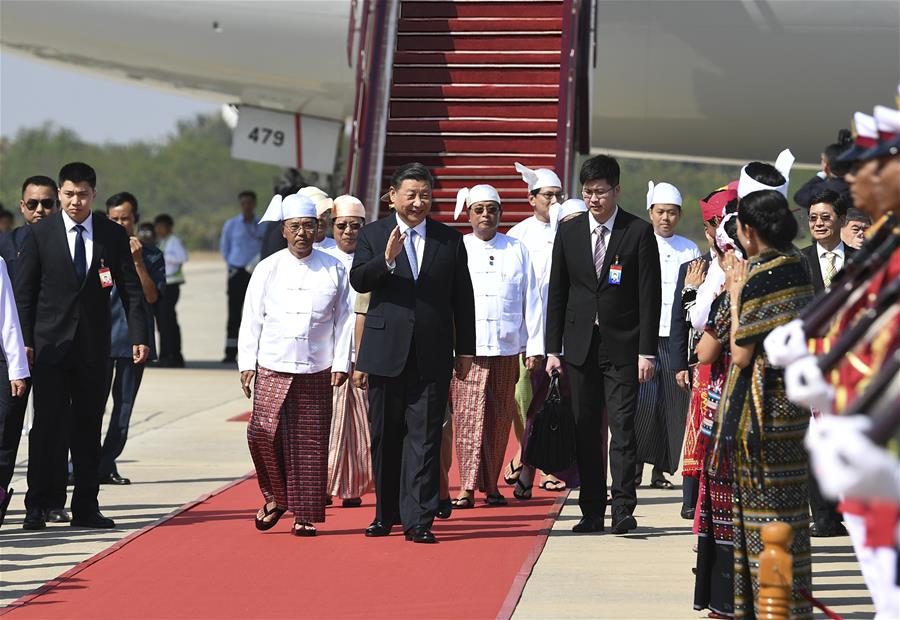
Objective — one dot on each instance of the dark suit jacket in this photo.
(11, 244)
(815, 186)
(628, 312)
(438, 308)
(272, 240)
(56, 311)
(680, 325)
(815, 269)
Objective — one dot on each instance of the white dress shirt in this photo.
(823, 258)
(537, 236)
(10, 330)
(87, 235)
(325, 244)
(175, 256)
(673, 252)
(508, 310)
(418, 242)
(297, 316)
(608, 225)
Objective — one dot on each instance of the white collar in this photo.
(88, 222)
(838, 249)
(419, 228)
(608, 224)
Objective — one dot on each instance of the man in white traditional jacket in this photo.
(662, 406)
(536, 233)
(294, 346)
(349, 456)
(508, 322)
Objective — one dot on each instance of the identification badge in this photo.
(615, 274)
(106, 279)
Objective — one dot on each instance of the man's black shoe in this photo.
(623, 522)
(588, 525)
(34, 519)
(57, 515)
(687, 513)
(445, 509)
(420, 534)
(377, 528)
(114, 478)
(93, 520)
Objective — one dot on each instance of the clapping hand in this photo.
(394, 245)
(696, 273)
(735, 276)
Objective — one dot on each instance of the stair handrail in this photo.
(373, 99)
(569, 60)
(362, 68)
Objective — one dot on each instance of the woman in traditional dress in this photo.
(293, 347)
(713, 583)
(349, 459)
(759, 427)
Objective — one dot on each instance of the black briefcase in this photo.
(551, 444)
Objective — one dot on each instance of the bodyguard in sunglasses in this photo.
(39, 200)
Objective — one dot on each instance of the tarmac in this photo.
(181, 447)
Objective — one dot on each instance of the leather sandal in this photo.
(522, 491)
(462, 503)
(495, 499)
(303, 529)
(513, 476)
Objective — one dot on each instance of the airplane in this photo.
(693, 80)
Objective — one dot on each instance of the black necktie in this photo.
(80, 258)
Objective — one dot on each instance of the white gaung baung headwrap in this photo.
(538, 178)
(784, 163)
(559, 212)
(319, 197)
(292, 206)
(662, 194)
(466, 197)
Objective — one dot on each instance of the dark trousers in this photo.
(12, 418)
(167, 320)
(124, 376)
(238, 279)
(406, 417)
(69, 399)
(595, 384)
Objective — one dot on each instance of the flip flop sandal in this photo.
(546, 485)
(262, 525)
(463, 503)
(495, 499)
(522, 491)
(514, 473)
(303, 529)
(661, 484)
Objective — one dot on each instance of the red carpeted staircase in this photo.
(475, 86)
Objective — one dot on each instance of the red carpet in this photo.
(209, 562)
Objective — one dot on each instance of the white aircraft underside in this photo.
(723, 79)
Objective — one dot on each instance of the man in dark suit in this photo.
(421, 314)
(67, 267)
(603, 313)
(39, 200)
(825, 257)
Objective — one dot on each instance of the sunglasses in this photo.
(344, 225)
(47, 203)
(492, 210)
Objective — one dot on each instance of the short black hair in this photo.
(40, 181)
(411, 171)
(855, 215)
(248, 193)
(5, 213)
(600, 167)
(835, 150)
(768, 213)
(77, 172)
(767, 174)
(833, 198)
(165, 219)
(117, 200)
